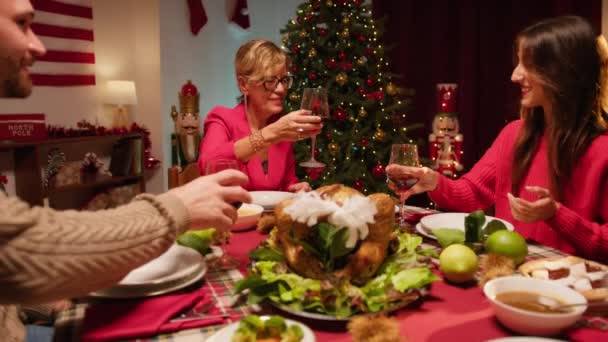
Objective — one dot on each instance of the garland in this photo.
(87, 129)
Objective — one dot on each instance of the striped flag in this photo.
(65, 27)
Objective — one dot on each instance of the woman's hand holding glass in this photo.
(293, 126)
(427, 179)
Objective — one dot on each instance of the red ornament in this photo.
(189, 89)
(344, 65)
(369, 51)
(364, 142)
(295, 49)
(323, 32)
(341, 55)
(357, 2)
(379, 95)
(328, 135)
(370, 82)
(362, 92)
(358, 184)
(331, 64)
(294, 69)
(378, 171)
(309, 17)
(312, 76)
(340, 115)
(362, 38)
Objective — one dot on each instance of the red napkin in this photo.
(139, 318)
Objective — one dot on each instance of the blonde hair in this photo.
(256, 57)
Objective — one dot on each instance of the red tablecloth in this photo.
(448, 313)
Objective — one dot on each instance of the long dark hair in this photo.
(561, 54)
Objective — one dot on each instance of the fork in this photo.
(197, 313)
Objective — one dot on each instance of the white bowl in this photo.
(249, 214)
(528, 322)
(453, 220)
(269, 199)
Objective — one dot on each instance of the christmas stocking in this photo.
(240, 16)
(198, 17)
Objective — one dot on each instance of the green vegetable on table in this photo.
(199, 240)
(473, 224)
(493, 226)
(448, 236)
(253, 327)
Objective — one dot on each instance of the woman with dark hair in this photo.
(547, 172)
(255, 133)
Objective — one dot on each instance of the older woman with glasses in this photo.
(255, 132)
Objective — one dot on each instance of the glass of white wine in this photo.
(406, 155)
(315, 100)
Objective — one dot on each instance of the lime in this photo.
(509, 244)
(190, 239)
(458, 263)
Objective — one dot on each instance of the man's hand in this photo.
(209, 198)
(302, 186)
(542, 209)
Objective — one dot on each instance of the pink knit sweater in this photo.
(580, 225)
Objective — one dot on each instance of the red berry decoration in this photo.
(358, 184)
(378, 171)
(370, 82)
(294, 69)
(362, 92)
(341, 55)
(295, 49)
(323, 32)
(312, 76)
(364, 142)
(340, 115)
(362, 38)
(331, 63)
(344, 65)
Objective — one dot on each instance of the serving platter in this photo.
(227, 333)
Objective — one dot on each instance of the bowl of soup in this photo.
(532, 306)
(248, 216)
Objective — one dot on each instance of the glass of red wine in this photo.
(315, 100)
(406, 155)
(225, 262)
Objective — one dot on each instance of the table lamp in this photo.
(120, 94)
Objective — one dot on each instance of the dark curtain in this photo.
(470, 43)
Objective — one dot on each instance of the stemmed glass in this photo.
(225, 262)
(407, 155)
(315, 100)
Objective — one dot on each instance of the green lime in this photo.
(458, 263)
(190, 239)
(509, 244)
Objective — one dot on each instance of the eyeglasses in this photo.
(271, 83)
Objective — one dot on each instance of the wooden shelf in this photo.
(9, 145)
(102, 181)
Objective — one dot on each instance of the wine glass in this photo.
(225, 262)
(315, 100)
(407, 155)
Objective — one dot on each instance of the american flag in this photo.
(65, 27)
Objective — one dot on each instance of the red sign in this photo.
(22, 127)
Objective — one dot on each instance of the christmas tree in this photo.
(335, 44)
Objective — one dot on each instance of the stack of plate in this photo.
(177, 268)
(269, 199)
(448, 220)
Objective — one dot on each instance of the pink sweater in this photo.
(223, 127)
(580, 225)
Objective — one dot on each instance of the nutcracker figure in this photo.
(446, 141)
(185, 141)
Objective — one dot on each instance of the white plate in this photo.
(216, 252)
(424, 232)
(226, 333)
(177, 262)
(268, 199)
(452, 220)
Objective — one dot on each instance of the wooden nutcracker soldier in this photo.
(446, 141)
(185, 141)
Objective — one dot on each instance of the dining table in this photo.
(448, 312)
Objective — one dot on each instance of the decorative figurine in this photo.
(446, 141)
(185, 141)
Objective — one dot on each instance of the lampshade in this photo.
(121, 93)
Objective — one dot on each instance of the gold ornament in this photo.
(285, 39)
(391, 89)
(303, 34)
(361, 61)
(351, 118)
(380, 135)
(341, 79)
(333, 148)
(362, 112)
(329, 3)
(294, 97)
(345, 33)
(312, 53)
(346, 20)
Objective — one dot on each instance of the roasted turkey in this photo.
(364, 260)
